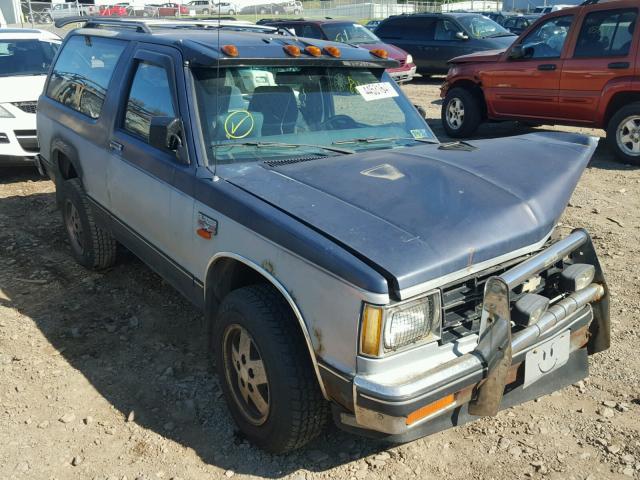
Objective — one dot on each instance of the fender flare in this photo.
(60, 145)
(287, 296)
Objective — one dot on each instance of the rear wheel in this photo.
(91, 246)
(623, 134)
(461, 113)
(265, 371)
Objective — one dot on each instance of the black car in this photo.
(519, 24)
(435, 38)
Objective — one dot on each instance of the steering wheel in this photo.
(339, 122)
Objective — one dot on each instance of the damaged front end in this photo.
(536, 323)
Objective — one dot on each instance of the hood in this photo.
(415, 214)
(21, 88)
(394, 52)
(484, 56)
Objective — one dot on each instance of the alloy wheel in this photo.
(455, 113)
(628, 136)
(246, 374)
(74, 226)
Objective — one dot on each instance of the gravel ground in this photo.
(105, 376)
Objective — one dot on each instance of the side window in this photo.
(82, 73)
(446, 30)
(606, 34)
(150, 96)
(509, 23)
(390, 28)
(548, 38)
(310, 31)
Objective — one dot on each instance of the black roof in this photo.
(201, 42)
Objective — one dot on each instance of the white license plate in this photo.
(546, 357)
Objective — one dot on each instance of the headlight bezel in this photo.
(4, 113)
(386, 312)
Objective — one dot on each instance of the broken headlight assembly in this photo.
(393, 327)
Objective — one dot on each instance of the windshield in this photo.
(304, 110)
(349, 33)
(26, 57)
(479, 26)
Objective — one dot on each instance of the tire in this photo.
(623, 134)
(295, 410)
(91, 246)
(461, 113)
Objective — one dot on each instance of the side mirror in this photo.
(462, 36)
(516, 53)
(421, 111)
(166, 133)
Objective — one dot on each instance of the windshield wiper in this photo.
(344, 151)
(382, 139)
(503, 34)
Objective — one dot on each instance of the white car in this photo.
(25, 57)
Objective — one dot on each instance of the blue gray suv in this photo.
(344, 259)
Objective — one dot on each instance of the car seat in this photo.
(278, 107)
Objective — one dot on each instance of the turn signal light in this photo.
(380, 53)
(313, 51)
(332, 51)
(430, 409)
(371, 330)
(292, 50)
(230, 50)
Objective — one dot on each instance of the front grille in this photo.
(27, 139)
(28, 107)
(462, 300)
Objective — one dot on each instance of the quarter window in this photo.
(151, 96)
(606, 34)
(547, 39)
(82, 73)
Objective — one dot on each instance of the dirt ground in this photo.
(105, 375)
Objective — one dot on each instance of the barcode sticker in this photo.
(376, 91)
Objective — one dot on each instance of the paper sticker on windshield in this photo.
(419, 133)
(376, 91)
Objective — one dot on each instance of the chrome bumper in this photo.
(486, 368)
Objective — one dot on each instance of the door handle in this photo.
(115, 146)
(547, 67)
(619, 65)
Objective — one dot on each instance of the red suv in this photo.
(579, 66)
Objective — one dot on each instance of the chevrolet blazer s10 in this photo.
(345, 260)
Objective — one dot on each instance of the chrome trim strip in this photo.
(452, 277)
(289, 300)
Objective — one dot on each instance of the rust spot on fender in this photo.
(318, 346)
(268, 266)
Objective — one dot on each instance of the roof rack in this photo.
(144, 26)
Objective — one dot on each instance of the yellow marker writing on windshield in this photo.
(238, 124)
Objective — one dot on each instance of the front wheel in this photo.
(623, 134)
(265, 370)
(461, 114)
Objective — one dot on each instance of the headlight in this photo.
(386, 329)
(409, 59)
(5, 114)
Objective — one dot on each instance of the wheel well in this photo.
(65, 167)
(475, 90)
(228, 274)
(618, 101)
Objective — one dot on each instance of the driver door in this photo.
(530, 86)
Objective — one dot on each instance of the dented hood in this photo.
(415, 214)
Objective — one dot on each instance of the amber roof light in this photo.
(380, 53)
(292, 50)
(230, 50)
(313, 51)
(332, 51)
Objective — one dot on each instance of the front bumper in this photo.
(403, 74)
(17, 137)
(478, 379)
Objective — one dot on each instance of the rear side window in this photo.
(410, 28)
(82, 73)
(607, 33)
(151, 96)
